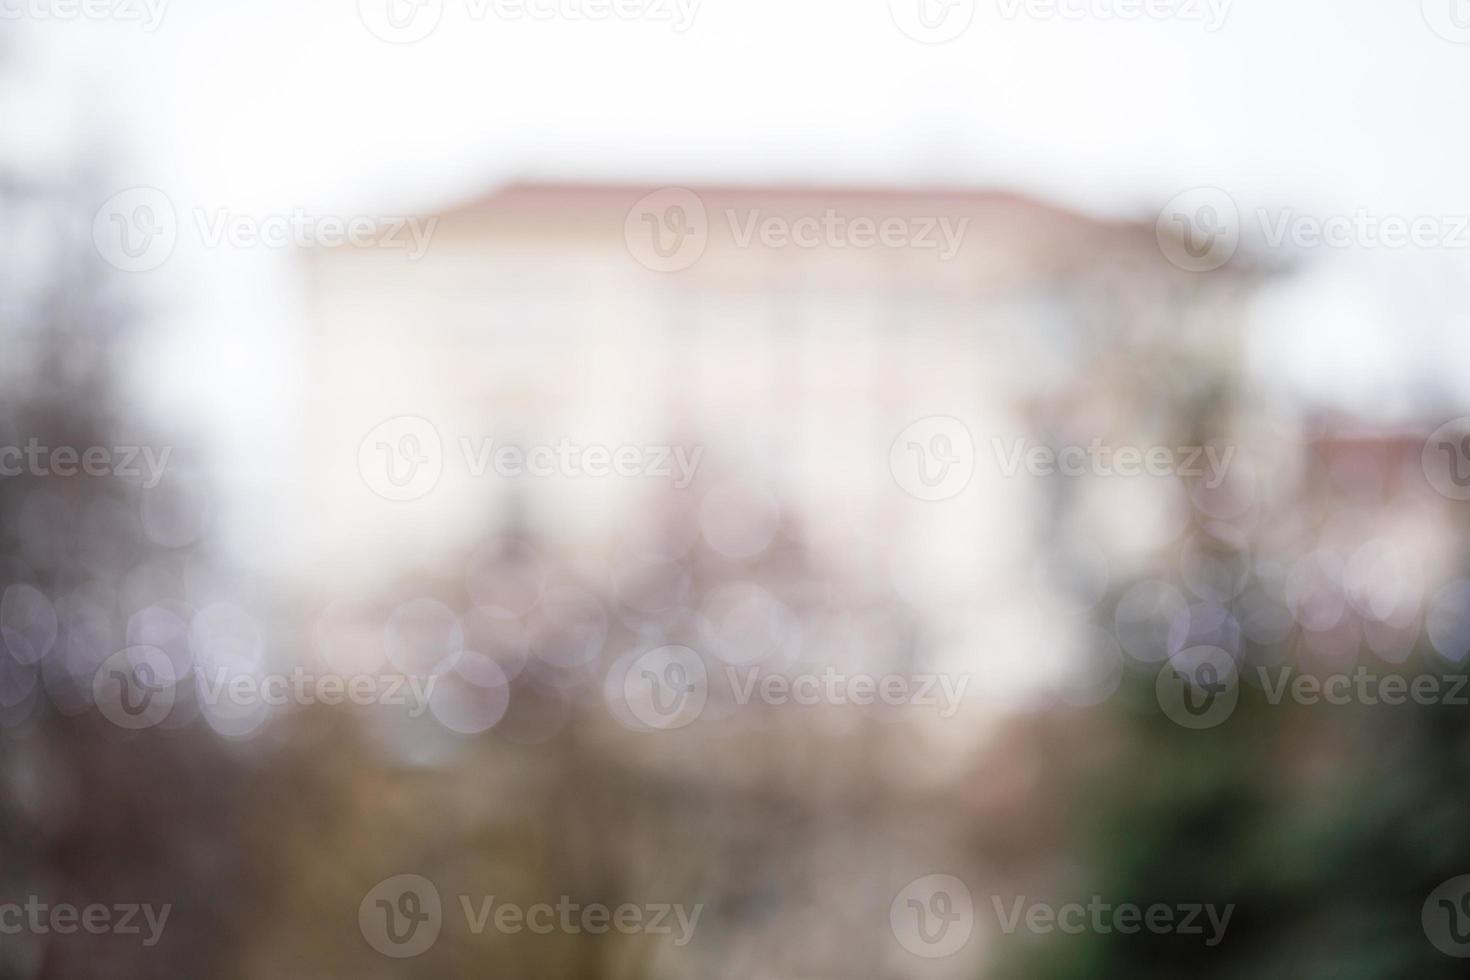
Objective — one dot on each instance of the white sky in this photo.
(1325, 103)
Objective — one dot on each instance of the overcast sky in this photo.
(1327, 103)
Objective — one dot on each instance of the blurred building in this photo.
(789, 335)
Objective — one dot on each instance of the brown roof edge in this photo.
(538, 193)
